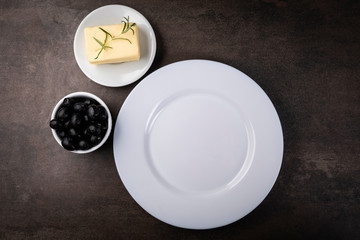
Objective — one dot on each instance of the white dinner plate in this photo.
(118, 74)
(198, 144)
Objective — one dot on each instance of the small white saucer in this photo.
(120, 74)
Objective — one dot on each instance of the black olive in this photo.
(68, 102)
(103, 114)
(93, 112)
(104, 125)
(92, 129)
(67, 124)
(95, 139)
(79, 107)
(61, 133)
(83, 145)
(73, 133)
(56, 124)
(86, 133)
(63, 114)
(76, 120)
(99, 129)
(68, 143)
(88, 101)
(86, 118)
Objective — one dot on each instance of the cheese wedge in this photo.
(118, 50)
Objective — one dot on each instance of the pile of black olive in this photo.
(80, 123)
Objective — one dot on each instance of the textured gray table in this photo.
(304, 54)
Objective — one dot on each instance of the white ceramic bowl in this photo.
(88, 95)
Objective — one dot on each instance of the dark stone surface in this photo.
(304, 54)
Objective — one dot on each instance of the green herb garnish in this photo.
(127, 26)
(103, 46)
(125, 29)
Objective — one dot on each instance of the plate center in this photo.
(197, 141)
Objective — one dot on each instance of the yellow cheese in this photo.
(119, 50)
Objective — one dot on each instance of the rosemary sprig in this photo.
(106, 32)
(119, 38)
(127, 26)
(103, 46)
(125, 29)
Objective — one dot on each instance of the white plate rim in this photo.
(248, 207)
(83, 62)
